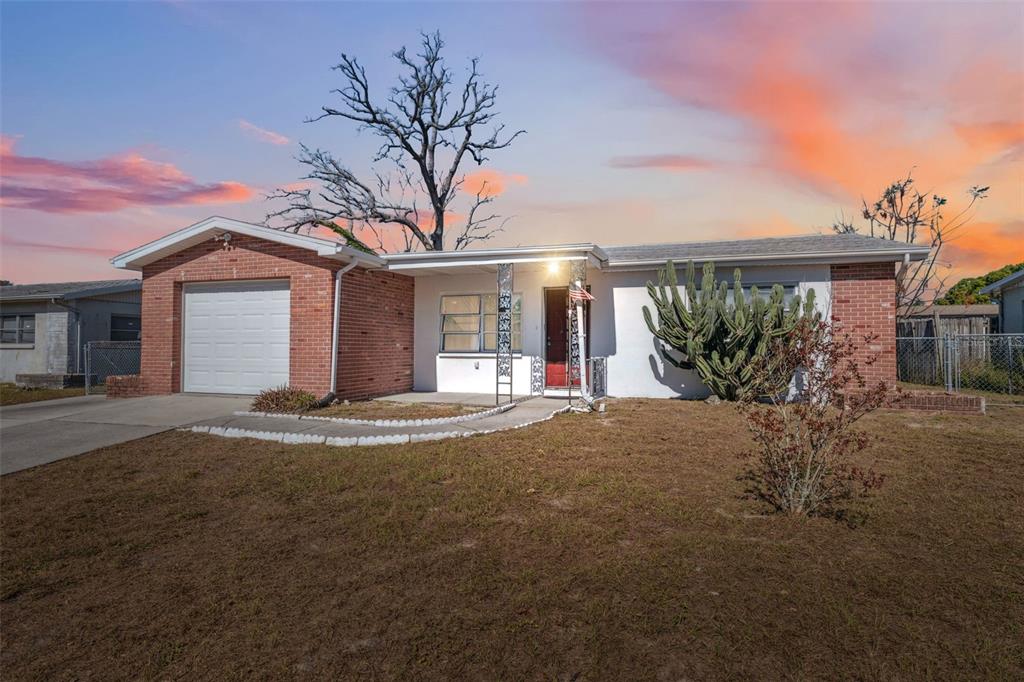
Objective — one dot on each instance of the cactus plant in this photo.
(715, 336)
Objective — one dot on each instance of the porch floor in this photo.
(481, 399)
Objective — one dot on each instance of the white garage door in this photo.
(236, 336)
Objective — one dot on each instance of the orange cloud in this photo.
(489, 182)
(103, 185)
(262, 133)
(829, 99)
(984, 246)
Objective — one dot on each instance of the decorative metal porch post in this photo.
(577, 329)
(503, 344)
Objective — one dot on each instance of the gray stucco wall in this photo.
(1012, 309)
(61, 335)
(48, 354)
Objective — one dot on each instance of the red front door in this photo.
(556, 348)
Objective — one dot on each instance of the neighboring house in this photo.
(44, 327)
(230, 307)
(940, 320)
(1010, 292)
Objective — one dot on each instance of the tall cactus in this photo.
(718, 337)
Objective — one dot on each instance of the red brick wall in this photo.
(943, 402)
(375, 346)
(863, 303)
(124, 386)
(311, 280)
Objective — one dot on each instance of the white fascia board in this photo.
(838, 258)
(486, 257)
(206, 229)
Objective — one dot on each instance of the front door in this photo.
(556, 347)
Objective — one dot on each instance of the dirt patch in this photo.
(12, 394)
(562, 551)
(389, 409)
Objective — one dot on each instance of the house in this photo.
(1010, 292)
(44, 327)
(230, 307)
(941, 320)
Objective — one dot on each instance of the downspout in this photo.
(336, 330)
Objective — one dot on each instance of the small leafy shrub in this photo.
(805, 436)
(283, 399)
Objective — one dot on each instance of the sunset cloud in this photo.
(262, 133)
(669, 162)
(489, 182)
(104, 185)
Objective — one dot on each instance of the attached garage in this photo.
(235, 336)
(230, 307)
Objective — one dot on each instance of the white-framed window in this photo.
(18, 328)
(469, 323)
(764, 291)
(125, 327)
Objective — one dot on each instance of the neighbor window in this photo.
(125, 327)
(469, 323)
(18, 329)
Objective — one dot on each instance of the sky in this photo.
(644, 122)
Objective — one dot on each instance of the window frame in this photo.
(480, 332)
(19, 329)
(138, 331)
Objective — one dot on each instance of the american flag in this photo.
(579, 294)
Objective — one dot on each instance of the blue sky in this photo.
(644, 122)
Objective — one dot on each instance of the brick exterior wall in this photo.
(124, 386)
(943, 402)
(375, 347)
(864, 303)
(366, 295)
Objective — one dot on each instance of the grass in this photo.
(391, 409)
(11, 394)
(586, 547)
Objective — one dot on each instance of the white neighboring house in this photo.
(44, 327)
(1010, 293)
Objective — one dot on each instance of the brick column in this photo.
(863, 303)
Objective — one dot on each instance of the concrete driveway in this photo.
(45, 431)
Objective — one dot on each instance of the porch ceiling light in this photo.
(554, 266)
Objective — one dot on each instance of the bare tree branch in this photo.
(427, 127)
(905, 214)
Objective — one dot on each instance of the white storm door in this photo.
(236, 336)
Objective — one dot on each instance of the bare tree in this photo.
(905, 214)
(428, 126)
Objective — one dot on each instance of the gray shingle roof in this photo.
(67, 289)
(996, 288)
(808, 245)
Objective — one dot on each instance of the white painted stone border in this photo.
(385, 423)
(342, 441)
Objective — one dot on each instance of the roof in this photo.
(971, 310)
(68, 290)
(814, 247)
(217, 226)
(1008, 282)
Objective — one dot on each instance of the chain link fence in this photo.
(110, 358)
(993, 363)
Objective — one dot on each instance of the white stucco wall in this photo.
(48, 353)
(618, 331)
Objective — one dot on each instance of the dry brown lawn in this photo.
(587, 547)
(392, 409)
(11, 394)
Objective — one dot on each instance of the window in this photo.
(18, 329)
(469, 324)
(125, 328)
(765, 291)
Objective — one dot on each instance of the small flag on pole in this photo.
(579, 294)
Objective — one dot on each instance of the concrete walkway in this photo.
(299, 430)
(38, 433)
